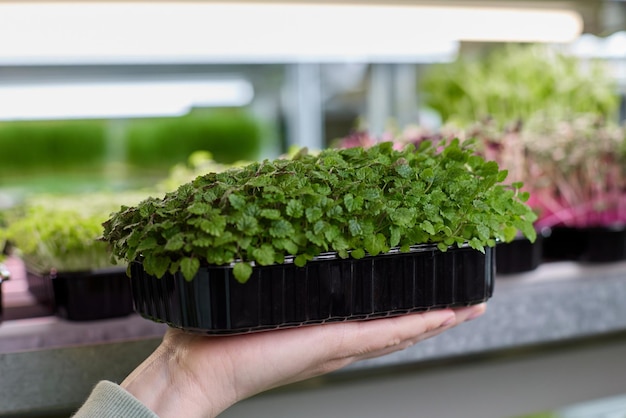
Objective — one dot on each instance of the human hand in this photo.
(200, 376)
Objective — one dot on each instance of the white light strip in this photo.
(118, 100)
(512, 25)
(257, 32)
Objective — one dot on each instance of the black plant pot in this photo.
(85, 295)
(519, 255)
(326, 289)
(605, 244)
(591, 244)
(4, 275)
(40, 287)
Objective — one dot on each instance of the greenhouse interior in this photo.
(413, 208)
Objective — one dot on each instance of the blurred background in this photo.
(109, 96)
(104, 104)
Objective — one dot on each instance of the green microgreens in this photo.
(352, 201)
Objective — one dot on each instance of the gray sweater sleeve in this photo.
(108, 400)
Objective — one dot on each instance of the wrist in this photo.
(168, 389)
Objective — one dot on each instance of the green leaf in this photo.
(331, 233)
(295, 209)
(477, 245)
(502, 175)
(313, 214)
(355, 228)
(156, 265)
(237, 202)
(358, 253)
(189, 267)
(319, 227)
(524, 196)
(395, 235)
(528, 230)
(287, 244)
(483, 232)
(317, 239)
(322, 189)
(248, 225)
(174, 267)
(204, 242)
(242, 271)
(402, 217)
(226, 238)
(147, 244)
(372, 194)
(301, 260)
(280, 229)
(199, 208)
(375, 244)
(264, 255)
(348, 201)
(509, 232)
(175, 243)
(335, 211)
(404, 170)
(215, 226)
(270, 214)
(259, 181)
(428, 227)
(427, 174)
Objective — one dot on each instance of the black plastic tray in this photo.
(85, 295)
(519, 255)
(325, 290)
(590, 244)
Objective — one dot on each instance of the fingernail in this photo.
(477, 313)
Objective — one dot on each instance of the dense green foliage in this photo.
(514, 82)
(51, 145)
(80, 155)
(576, 170)
(352, 201)
(229, 135)
(62, 232)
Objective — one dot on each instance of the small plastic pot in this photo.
(84, 295)
(591, 244)
(605, 244)
(519, 255)
(4, 275)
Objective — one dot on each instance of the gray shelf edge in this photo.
(558, 301)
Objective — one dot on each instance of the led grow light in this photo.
(118, 99)
(49, 33)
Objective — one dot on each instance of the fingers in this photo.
(393, 333)
(470, 312)
(408, 330)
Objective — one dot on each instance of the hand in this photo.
(200, 376)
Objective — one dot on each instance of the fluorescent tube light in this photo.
(215, 32)
(139, 32)
(262, 32)
(118, 99)
(510, 24)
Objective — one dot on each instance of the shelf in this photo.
(557, 302)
